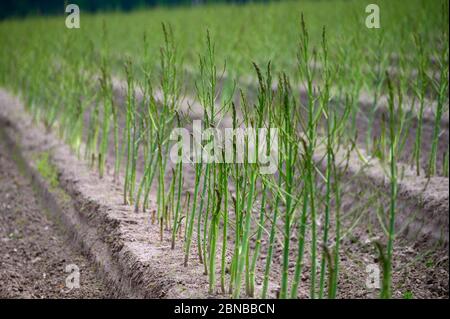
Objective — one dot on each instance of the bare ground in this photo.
(34, 251)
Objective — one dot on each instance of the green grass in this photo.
(47, 170)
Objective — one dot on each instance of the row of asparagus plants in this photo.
(231, 206)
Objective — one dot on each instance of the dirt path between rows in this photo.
(131, 248)
(34, 251)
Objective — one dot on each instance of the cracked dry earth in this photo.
(34, 251)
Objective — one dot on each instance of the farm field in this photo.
(260, 150)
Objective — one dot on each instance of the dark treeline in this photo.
(23, 8)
